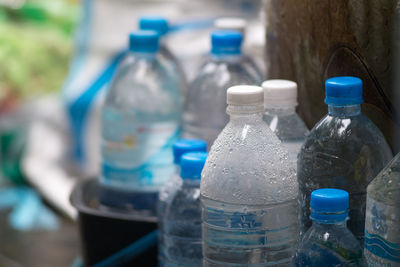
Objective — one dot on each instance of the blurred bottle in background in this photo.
(251, 55)
(328, 242)
(248, 190)
(161, 26)
(181, 228)
(344, 150)
(204, 113)
(231, 23)
(280, 101)
(382, 222)
(140, 122)
(170, 188)
(102, 35)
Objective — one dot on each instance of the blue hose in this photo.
(130, 251)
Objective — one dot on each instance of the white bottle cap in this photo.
(280, 94)
(236, 24)
(245, 95)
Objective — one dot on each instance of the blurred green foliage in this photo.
(36, 44)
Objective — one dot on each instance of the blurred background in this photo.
(56, 58)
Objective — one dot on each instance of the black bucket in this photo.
(106, 232)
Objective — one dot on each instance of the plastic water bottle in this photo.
(140, 122)
(161, 26)
(382, 223)
(204, 113)
(231, 23)
(179, 148)
(168, 191)
(328, 242)
(248, 192)
(240, 25)
(280, 101)
(344, 150)
(182, 221)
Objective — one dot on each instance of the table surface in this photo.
(38, 248)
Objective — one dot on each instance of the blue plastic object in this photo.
(329, 242)
(78, 109)
(329, 205)
(144, 41)
(154, 23)
(226, 42)
(344, 90)
(183, 146)
(130, 251)
(28, 211)
(192, 164)
(126, 254)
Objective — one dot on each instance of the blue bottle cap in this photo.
(183, 146)
(343, 91)
(226, 42)
(329, 205)
(192, 165)
(144, 41)
(155, 23)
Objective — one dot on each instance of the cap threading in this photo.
(344, 91)
(329, 205)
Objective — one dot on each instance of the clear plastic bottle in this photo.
(240, 25)
(344, 150)
(161, 26)
(140, 121)
(328, 242)
(248, 190)
(204, 113)
(382, 223)
(182, 221)
(280, 101)
(168, 191)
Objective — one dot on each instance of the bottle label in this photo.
(138, 156)
(382, 234)
(243, 234)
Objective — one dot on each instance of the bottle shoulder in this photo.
(145, 84)
(353, 133)
(186, 199)
(170, 188)
(247, 164)
(222, 73)
(353, 148)
(207, 92)
(385, 187)
(288, 127)
(334, 247)
(331, 237)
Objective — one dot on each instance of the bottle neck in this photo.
(226, 57)
(280, 111)
(339, 225)
(144, 55)
(236, 111)
(190, 182)
(344, 111)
